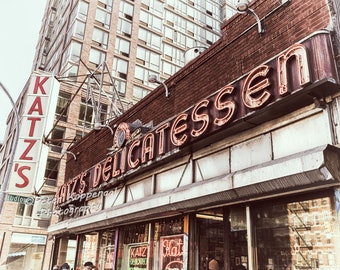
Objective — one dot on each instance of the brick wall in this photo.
(235, 54)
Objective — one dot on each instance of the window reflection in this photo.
(297, 235)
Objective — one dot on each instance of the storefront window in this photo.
(222, 239)
(26, 251)
(87, 249)
(210, 234)
(156, 245)
(134, 248)
(297, 235)
(107, 250)
(284, 234)
(238, 239)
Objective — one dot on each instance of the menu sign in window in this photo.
(173, 252)
(138, 257)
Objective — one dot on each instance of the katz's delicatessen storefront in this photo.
(245, 177)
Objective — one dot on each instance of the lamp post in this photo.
(5, 182)
(153, 79)
(243, 7)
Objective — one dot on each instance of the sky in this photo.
(20, 22)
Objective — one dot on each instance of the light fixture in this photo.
(98, 126)
(196, 49)
(69, 152)
(243, 7)
(153, 79)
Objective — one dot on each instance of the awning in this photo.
(304, 171)
(17, 254)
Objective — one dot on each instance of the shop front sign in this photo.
(138, 257)
(37, 117)
(172, 255)
(288, 82)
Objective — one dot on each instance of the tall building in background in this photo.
(102, 54)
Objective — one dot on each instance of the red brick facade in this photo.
(240, 49)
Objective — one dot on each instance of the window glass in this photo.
(149, 38)
(124, 27)
(103, 18)
(57, 136)
(148, 58)
(122, 47)
(222, 238)
(119, 68)
(289, 237)
(72, 53)
(107, 4)
(142, 74)
(86, 113)
(87, 249)
(106, 249)
(97, 57)
(51, 172)
(26, 251)
(62, 108)
(100, 37)
(151, 20)
(126, 10)
(139, 92)
(120, 86)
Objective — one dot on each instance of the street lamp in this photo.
(153, 79)
(5, 182)
(243, 7)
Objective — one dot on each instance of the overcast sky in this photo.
(20, 23)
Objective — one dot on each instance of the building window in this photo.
(124, 27)
(154, 6)
(151, 20)
(26, 251)
(142, 75)
(150, 39)
(23, 216)
(169, 68)
(51, 171)
(97, 57)
(120, 68)
(70, 72)
(62, 105)
(83, 9)
(126, 10)
(100, 37)
(77, 30)
(72, 52)
(120, 87)
(57, 137)
(148, 58)
(87, 248)
(86, 114)
(122, 47)
(103, 18)
(139, 92)
(107, 4)
(173, 54)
